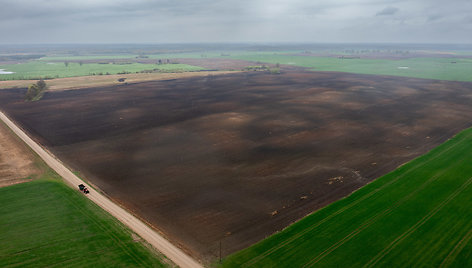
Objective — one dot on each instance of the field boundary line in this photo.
(341, 210)
(169, 250)
(456, 250)
(420, 223)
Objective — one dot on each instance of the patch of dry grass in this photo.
(105, 80)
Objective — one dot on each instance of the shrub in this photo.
(36, 91)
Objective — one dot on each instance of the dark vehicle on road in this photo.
(83, 188)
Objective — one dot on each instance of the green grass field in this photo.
(44, 223)
(41, 69)
(88, 57)
(430, 68)
(187, 55)
(191, 55)
(416, 216)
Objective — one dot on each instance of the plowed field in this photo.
(236, 157)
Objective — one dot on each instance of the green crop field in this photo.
(456, 69)
(130, 56)
(41, 69)
(44, 223)
(88, 57)
(417, 215)
(214, 54)
(186, 55)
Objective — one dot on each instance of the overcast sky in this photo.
(171, 21)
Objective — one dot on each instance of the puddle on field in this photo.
(2, 71)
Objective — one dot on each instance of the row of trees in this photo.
(66, 63)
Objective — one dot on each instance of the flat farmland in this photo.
(234, 158)
(441, 68)
(416, 216)
(47, 224)
(34, 70)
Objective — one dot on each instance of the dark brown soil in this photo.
(234, 158)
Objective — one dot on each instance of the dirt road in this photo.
(151, 236)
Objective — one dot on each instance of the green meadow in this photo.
(66, 57)
(44, 223)
(456, 69)
(48, 70)
(171, 55)
(416, 216)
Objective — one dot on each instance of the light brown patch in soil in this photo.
(16, 161)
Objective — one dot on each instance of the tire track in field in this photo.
(79, 258)
(415, 227)
(298, 235)
(122, 245)
(372, 220)
(341, 210)
(53, 243)
(456, 250)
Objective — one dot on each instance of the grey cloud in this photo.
(435, 17)
(69, 21)
(468, 20)
(387, 11)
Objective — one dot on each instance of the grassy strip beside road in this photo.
(48, 70)
(454, 69)
(45, 223)
(417, 215)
